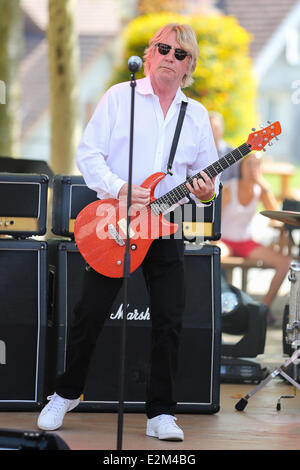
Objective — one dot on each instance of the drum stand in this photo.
(292, 337)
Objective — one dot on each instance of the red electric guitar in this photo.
(101, 227)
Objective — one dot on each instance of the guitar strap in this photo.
(176, 136)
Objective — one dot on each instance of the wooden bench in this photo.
(283, 170)
(228, 264)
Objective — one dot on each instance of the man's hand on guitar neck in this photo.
(203, 189)
(140, 197)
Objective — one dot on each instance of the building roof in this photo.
(260, 17)
(92, 16)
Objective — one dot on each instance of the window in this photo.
(293, 46)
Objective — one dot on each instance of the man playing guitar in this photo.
(102, 158)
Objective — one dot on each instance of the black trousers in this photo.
(163, 268)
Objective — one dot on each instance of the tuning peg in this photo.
(269, 122)
(264, 150)
(253, 129)
(270, 143)
(276, 138)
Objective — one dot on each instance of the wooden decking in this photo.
(259, 427)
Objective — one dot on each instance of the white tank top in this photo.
(236, 223)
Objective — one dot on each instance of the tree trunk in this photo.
(63, 66)
(11, 34)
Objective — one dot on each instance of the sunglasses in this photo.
(164, 49)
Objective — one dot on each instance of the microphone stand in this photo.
(126, 274)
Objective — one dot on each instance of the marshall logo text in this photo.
(135, 315)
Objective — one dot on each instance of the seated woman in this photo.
(239, 205)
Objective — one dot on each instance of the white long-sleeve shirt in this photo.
(103, 153)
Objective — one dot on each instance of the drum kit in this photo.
(293, 325)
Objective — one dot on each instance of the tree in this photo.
(223, 79)
(11, 34)
(63, 65)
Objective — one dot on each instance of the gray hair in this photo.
(186, 38)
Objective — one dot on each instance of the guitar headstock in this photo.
(259, 139)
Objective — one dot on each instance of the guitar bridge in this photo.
(115, 235)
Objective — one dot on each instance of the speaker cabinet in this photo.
(23, 322)
(197, 385)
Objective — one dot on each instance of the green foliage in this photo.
(223, 79)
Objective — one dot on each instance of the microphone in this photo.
(134, 63)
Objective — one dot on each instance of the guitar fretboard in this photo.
(176, 194)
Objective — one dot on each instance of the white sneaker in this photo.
(164, 427)
(52, 415)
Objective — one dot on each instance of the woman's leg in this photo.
(276, 260)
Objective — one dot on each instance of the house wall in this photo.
(278, 101)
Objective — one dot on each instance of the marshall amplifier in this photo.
(198, 377)
(23, 323)
(70, 196)
(23, 204)
(202, 223)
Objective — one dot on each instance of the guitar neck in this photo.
(179, 192)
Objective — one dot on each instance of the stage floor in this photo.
(259, 427)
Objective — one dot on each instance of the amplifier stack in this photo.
(41, 282)
(23, 290)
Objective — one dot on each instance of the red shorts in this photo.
(242, 249)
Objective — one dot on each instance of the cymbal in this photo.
(288, 217)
